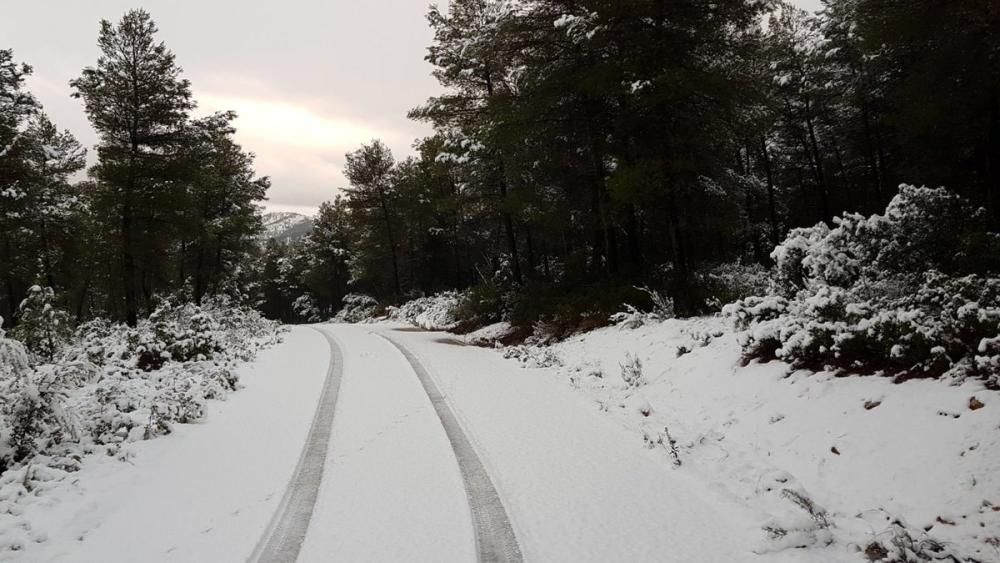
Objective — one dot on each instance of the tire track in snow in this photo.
(495, 539)
(283, 538)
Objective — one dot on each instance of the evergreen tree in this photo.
(17, 106)
(138, 103)
(372, 200)
(222, 219)
(327, 251)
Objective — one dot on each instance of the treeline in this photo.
(168, 208)
(584, 147)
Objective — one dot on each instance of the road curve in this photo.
(283, 538)
(495, 539)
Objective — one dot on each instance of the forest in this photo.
(581, 150)
(763, 243)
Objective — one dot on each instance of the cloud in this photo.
(290, 125)
(300, 148)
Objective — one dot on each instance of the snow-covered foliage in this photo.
(729, 281)
(357, 308)
(632, 317)
(532, 356)
(911, 293)
(305, 307)
(435, 312)
(491, 335)
(42, 327)
(109, 384)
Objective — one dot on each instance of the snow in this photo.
(205, 492)
(489, 334)
(391, 489)
(435, 312)
(866, 450)
(643, 444)
(575, 484)
(284, 226)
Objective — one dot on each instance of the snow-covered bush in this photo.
(14, 359)
(176, 333)
(110, 383)
(632, 317)
(436, 312)
(41, 326)
(305, 307)
(241, 331)
(912, 293)
(482, 305)
(730, 281)
(357, 309)
(35, 409)
(532, 356)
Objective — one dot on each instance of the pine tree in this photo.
(328, 254)
(42, 326)
(17, 106)
(138, 103)
(372, 200)
(476, 63)
(52, 204)
(218, 230)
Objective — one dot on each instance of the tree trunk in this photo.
(392, 242)
(9, 284)
(817, 160)
(199, 275)
(601, 197)
(772, 213)
(875, 169)
(993, 161)
(129, 271)
(508, 222)
(633, 239)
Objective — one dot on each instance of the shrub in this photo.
(356, 308)
(884, 294)
(176, 333)
(561, 311)
(42, 327)
(305, 308)
(14, 361)
(632, 317)
(482, 305)
(436, 312)
(731, 281)
(110, 383)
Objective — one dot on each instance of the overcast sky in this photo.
(310, 79)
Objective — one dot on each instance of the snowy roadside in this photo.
(190, 495)
(845, 468)
(575, 487)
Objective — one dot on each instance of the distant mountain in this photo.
(285, 226)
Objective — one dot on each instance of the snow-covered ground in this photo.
(875, 459)
(205, 492)
(576, 484)
(584, 464)
(391, 489)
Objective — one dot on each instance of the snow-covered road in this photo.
(557, 479)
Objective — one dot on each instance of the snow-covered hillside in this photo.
(285, 226)
(843, 468)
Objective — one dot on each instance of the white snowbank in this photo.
(203, 493)
(832, 464)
